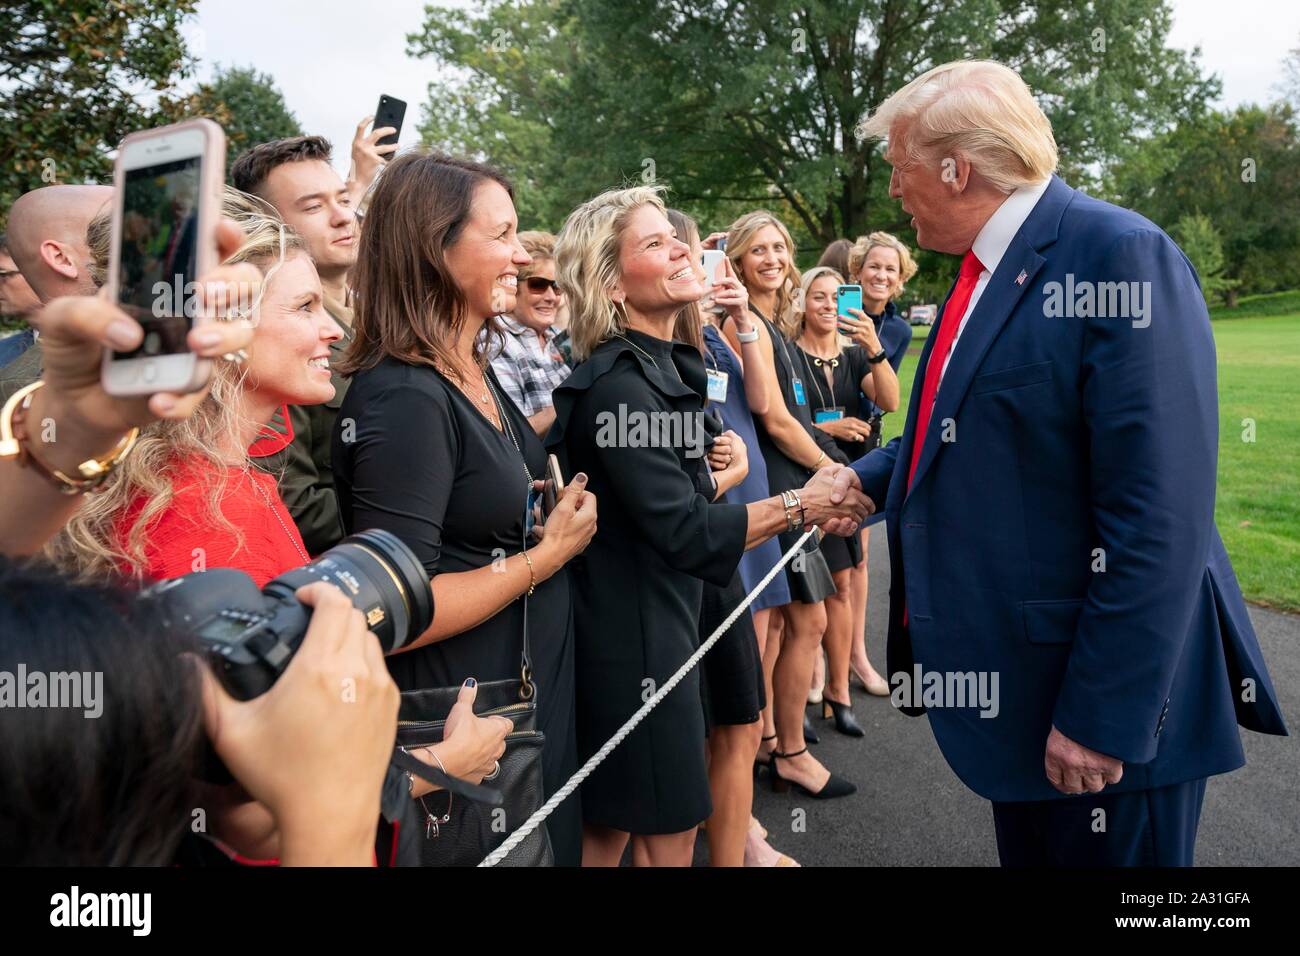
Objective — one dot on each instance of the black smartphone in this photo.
(390, 112)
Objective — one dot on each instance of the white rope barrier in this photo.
(538, 818)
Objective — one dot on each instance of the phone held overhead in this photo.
(166, 205)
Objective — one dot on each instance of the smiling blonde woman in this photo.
(637, 588)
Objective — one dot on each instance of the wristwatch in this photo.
(878, 357)
(750, 336)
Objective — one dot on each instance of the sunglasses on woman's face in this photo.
(537, 285)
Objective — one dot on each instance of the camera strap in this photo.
(461, 788)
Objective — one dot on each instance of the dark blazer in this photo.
(21, 371)
(1080, 444)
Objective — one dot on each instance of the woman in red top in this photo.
(187, 498)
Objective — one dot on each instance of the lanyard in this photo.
(814, 376)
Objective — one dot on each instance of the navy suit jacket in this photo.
(1059, 531)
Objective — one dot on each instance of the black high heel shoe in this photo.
(845, 722)
(760, 764)
(832, 788)
(809, 735)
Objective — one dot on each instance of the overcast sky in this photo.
(332, 69)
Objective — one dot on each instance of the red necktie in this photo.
(948, 325)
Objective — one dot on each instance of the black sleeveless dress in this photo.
(808, 575)
(843, 391)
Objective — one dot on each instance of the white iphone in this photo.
(166, 203)
(711, 259)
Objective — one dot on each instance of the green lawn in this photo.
(1258, 506)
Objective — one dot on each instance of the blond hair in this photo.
(540, 246)
(800, 314)
(740, 237)
(94, 542)
(862, 248)
(99, 237)
(586, 259)
(979, 109)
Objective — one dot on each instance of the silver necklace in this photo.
(620, 335)
(509, 430)
(278, 520)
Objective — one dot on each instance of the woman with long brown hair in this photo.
(428, 447)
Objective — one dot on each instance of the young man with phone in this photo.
(295, 176)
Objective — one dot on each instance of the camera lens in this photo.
(383, 578)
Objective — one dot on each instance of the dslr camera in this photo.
(250, 635)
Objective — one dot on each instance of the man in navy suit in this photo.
(1061, 604)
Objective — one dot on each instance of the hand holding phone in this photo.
(389, 114)
(166, 204)
(554, 482)
(848, 298)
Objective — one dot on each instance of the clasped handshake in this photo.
(832, 499)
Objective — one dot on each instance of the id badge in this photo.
(832, 414)
(718, 385)
(799, 398)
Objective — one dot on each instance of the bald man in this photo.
(47, 241)
(17, 303)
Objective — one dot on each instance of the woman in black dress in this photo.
(761, 253)
(427, 447)
(841, 379)
(630, 416)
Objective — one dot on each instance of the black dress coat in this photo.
(637, 588)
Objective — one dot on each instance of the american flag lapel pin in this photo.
(1020, 279)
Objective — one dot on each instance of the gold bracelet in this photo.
(532, 577)
(820, 458)
(92, 472)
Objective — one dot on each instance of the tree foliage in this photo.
(739, 103)
(1241, 169)
(1198, 238)
(246, 103)
(72, 77)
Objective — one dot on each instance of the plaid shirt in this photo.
(527, 370)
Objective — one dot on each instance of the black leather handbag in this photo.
(447, 829)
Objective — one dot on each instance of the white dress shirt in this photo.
(992, 244)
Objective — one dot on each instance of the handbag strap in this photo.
(527, 690)
(461, 788)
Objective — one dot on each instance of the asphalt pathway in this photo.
(911, 810)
